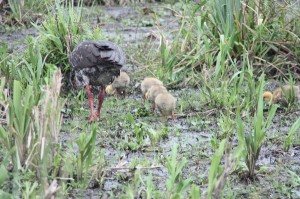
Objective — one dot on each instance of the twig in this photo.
(52, 189)
(129, 168)
(259, 58)
(229, 164)
(207, 113)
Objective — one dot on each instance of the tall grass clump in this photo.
(228, 92)
(290, 136)
(250, 143)
(31, 136)
(46, 125)
(226, 17)
(197, 46)
(86, 146)
(61, 31)
(33, 69)
(176, 186)
(86, 163)
(23, 11)
(30, 97)
(218, 174)
(3, 110)
(267, 30)
(7, 66)
(19, 114)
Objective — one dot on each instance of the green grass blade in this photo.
(293, 129)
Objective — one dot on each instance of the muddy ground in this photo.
(196, 127)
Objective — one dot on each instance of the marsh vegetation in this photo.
(215, 57)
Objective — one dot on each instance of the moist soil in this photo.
(137, 29)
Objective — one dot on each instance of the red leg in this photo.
(100, 101)
(91, 102)
(116, 93)
(173, 117)
(153, 107)
(144, 98)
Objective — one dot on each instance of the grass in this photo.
(175, 185)
(21, 12)
(251, 144)
(215, 65)
(292, 131)
(233, 31)
(61, 32)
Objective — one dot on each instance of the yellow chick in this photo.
(119, 84)
(109, 90)
(147, 83)
(166, 103)
(153, 92)
(278, 95)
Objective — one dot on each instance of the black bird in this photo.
(96, 63)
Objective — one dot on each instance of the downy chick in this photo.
(119, 84)
(153, 92)
(165, 103)
(147, 83)
(109, 90)
(278, 95)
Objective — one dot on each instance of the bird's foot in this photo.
(173, 117)
(98, 116)
(92, 118)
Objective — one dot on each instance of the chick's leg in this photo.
(164, 118)
(91, 102)
(153, 107)
(100, 101)
(116, 93)
(173, 117)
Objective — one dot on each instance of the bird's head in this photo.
(109, 89)
(80, 79)
(268, 96)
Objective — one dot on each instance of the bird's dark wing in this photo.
(97, 53)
